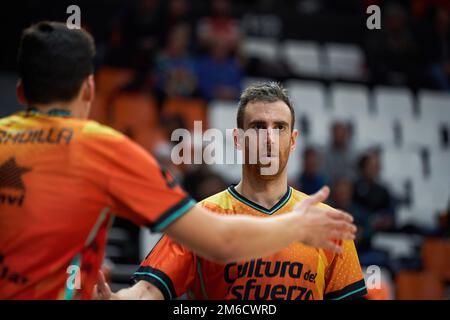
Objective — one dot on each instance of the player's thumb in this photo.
(102, 287)
(319, 196)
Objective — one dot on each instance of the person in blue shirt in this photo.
(311, 179)
(220, 74)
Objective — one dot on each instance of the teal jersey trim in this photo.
(69, 292)
(350, 293)
(174, 215)
(258, 207)
(157, 278)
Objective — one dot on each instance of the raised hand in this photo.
(322, 226)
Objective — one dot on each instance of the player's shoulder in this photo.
(102, 138)
(15, 119)
(219, 202)
(300, 196)
(6, 120)
(93, 129)
(96, 134)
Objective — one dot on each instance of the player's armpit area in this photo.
(352, 291)
(157, 278)
(172, 214)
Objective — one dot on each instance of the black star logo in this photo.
(11, 175)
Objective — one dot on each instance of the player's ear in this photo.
(294, 136)
(20, 93)
(87, 95)
(88, 89)
(237, 138)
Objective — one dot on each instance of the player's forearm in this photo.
(246, 238)
(230, 238)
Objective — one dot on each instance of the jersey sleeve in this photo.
(170, 267)
(344, 278)
(137, 188)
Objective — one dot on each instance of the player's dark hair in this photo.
(265, 92)
(53, 61)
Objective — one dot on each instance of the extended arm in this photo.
(232, 238)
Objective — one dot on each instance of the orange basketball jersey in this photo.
(61, 181)
(298, 272)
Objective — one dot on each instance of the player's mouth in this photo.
(267, 157)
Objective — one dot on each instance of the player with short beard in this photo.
(298, 272)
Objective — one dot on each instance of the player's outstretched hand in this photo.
(102, 291)
(321, 227)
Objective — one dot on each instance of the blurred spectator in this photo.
(436, 48)
(444, 222)
(176, 12)
(220, 26)
(175, 68)
(134, 37)
(392, 53)
(372, 195)
(202, 182)
(162, 153)
(169, 123)
(311, 180)
(220, 75)
(162, 138)
(339, 156)
(342, 198)
(419, 8)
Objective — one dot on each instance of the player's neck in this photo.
(264, 192)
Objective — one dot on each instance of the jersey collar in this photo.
(52, 112)
(284, 199)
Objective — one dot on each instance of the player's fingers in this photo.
(103, 294)
(101, 277)
(332, 246)
(100, 280)
(95, 293)
(103, 290)
(321, 195)
(340, 215)
(342, 226)
(317, 197)
(342, 235)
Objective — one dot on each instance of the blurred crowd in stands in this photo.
(161, 62)
(179, 52)
(356, 186)
(177, 56)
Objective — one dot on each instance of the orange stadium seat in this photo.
(436, 257)
(412, 285)
(99, 110)
(110, 79)
(136, 115)
(382, 293)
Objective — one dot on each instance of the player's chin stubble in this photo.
(256, 169)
